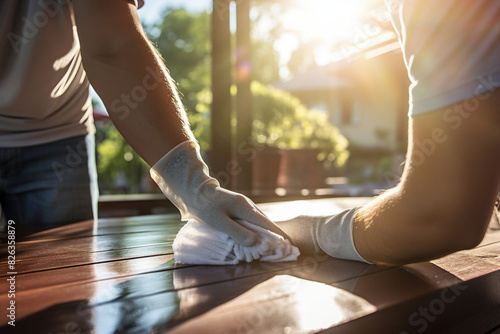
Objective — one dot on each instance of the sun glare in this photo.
(328, 21)
(323, 23)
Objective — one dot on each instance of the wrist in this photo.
(335, 236)
(183, 177)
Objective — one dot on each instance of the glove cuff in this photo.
(184, 178)
(334, 236)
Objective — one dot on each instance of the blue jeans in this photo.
(53, 183)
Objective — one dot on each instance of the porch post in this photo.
(221, 85)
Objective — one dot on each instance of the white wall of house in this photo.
(369, 123)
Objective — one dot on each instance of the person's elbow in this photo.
(462, 229)
(101, 47)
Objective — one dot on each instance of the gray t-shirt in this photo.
(44, 91)
(451, 50)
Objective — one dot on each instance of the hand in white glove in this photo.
(183, 177)
(324, 234)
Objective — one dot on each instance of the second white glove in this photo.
(325, 234)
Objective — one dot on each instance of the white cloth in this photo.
(198, 243)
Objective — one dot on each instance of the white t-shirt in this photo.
(451, 49)
(44, 91)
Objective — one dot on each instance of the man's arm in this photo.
(129, 76)
(142, 100)
(443, 203)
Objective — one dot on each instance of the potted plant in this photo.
(306, 141)
(293, 144)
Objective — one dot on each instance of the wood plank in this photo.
(107, 248)
(76, 259)
(87, 250)
(259, 303)
(282, 302)
(111, 250)
(484, 322)
(157, 222)
(409, 291)
(96, 243)
(107, 237)
(201, 288)
(112, 242)
(110, 294)
(198, 275)
(36, 252)
(127, 288)
(119, 279)
(105, 226)
(432, 312)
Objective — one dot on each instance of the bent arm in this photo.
(142, 100)
(442, 205)
(130, 77)
(444, 201)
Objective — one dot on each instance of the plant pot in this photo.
(265, 169)
(301, 169)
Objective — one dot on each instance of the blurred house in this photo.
(365, 97)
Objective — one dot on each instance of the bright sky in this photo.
(326, 21)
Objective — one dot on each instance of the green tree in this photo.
(265, 57)
(184, 42)
(117, 159)
(183, 39)
(283, 121)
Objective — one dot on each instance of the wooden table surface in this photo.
(122, 278)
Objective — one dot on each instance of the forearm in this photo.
(391, 230)
(384, 232)
(443, 203)
(134, 85)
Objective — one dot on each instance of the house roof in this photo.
(315, 78)
(340, 74)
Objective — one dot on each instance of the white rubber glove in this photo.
(184, 178)
(324, 234)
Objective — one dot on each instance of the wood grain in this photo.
(121, 278)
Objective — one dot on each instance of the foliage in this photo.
(200, 121)
(282, 121)
(265, 57)
(117, 159)
(370, 165)
(184, 43)
(183, 40)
